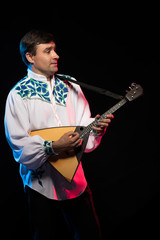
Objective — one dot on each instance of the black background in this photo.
(109, 47)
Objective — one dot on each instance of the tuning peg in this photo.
(133, 84)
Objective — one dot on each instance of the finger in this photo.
(99, 129)
(111, 116)
(79, 143)
(97, 116)
(103, 124)
(70, 133)
(105, 120)
(75, 136)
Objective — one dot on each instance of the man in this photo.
(39, 101)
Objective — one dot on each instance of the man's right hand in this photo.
(68, 141)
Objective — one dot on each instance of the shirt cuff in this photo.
(48, 148)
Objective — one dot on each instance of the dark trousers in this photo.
(73, 219)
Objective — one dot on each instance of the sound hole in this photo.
(81, 128)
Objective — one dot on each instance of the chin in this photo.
(55, 70)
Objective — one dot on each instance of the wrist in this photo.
(55, 148)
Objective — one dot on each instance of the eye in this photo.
(48, 51)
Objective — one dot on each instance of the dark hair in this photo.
(30, 41)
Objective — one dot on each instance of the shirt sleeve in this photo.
(27, 150)
(83, 118)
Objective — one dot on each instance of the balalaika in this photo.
(66, 163)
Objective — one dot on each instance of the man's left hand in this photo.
(103, 124)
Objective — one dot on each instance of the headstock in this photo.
(135, 91)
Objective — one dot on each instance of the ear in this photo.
(30, 57)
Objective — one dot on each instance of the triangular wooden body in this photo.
(66, 163)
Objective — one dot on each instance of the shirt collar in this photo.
(38, 77)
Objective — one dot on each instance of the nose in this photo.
(55, 55)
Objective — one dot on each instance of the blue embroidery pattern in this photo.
(48, 147)
(60, 92)
(38, 174)
(30, 88)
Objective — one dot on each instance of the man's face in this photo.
(45, 62)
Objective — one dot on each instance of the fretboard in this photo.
(104, 115)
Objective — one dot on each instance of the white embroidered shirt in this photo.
(34, 103)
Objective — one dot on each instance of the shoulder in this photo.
(76, 90)
(31, 89)
(64, 76)
(15, 89)
(17, 86)
(68, 80)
